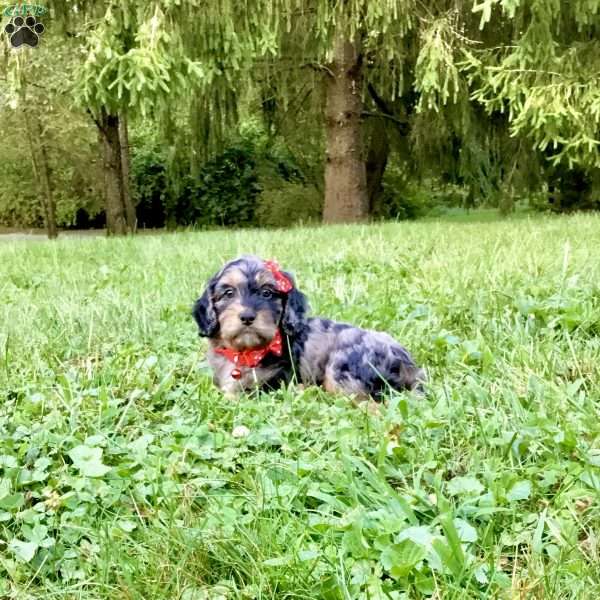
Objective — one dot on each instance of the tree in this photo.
(346, 197)
(50, 170)
(115, 184)
(42, 171)
(21, 98)
(532, 67)
(483, 94)
(100, 91)
(547, 83)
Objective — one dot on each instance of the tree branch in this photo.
(89, 112)
(367, 113)
(318, 67)
(386, 111)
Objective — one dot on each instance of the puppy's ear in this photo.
(204, 312)
(295, 309)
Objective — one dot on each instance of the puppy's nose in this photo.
(247, 316)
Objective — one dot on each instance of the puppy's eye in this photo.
(266, 293)
(229, 293)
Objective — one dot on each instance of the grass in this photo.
(120, 476)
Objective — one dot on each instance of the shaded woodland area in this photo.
(137, 114)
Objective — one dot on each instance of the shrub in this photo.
(21, 202)
(20, 205)
(254, 181)
(566, 190)
(290, 203)
(401, 200)
(572, 189)
(224, 193)
(149, 187)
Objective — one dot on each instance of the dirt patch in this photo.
(8, 234)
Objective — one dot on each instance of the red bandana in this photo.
(282, 282)
(250, 358)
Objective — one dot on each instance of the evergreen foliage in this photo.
(500, 97)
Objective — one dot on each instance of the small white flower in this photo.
(240, 431)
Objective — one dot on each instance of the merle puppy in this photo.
(255, 319)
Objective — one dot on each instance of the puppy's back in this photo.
(356, 361)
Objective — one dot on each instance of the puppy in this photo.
(255, 319)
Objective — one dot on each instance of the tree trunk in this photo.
(506, 202)
(377, 158)
(41, 169)
(125, 168)
(346, 198)
(45, 173)
(595, 189)
(116, 217)
(42, 173)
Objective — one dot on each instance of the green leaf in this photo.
(399, 559)
(468, 486)
(37, 534)
(519, 491)
(8, 462)
(419, 535)
(449, 561)
(452, 554)
(486, 11)
(481, 574)
(127, 526)
(24, 551)
(591, 479)
(88, 461)
(536, 542)
(466, 532)
(308, 554)
(12, 502)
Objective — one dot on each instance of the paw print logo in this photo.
(24, 31)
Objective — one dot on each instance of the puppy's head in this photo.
(242, 306)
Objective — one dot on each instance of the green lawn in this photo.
(120, 477)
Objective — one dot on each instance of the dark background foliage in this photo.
(464, 104)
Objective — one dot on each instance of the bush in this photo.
(290, 203)
(149, 187)
(572, 189)
(225, 192)
(72, 159)
(566, 190)
(79, 195)
(20, 204)
(400, 199)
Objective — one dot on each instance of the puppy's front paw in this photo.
(370, 406)
(231, 395)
